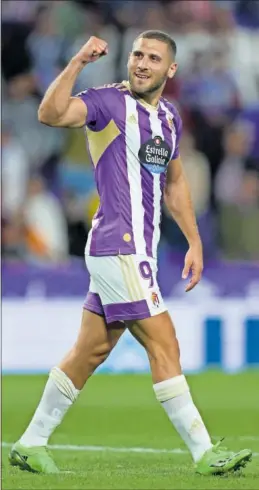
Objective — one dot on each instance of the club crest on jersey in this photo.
(154, 155)
(155, 299)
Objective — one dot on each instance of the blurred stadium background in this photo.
(49, 196)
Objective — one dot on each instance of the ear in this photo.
(128, 60)
(172, 70)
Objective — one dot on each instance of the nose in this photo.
(143, 63)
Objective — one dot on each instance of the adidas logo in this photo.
(132, 119)
(196, 425)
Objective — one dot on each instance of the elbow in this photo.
(44, 117)
(170, 199)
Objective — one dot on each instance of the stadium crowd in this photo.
(48, 188)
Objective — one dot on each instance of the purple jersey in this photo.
(130, 144)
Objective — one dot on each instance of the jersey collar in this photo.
(141, 101)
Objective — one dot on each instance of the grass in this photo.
(120, 411)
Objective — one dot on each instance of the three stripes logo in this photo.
(132, 119)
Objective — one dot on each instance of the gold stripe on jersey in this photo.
(107, 85)
(98, 141)
(118, 85)
(121, 87)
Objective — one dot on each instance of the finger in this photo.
(99, 51)
(186, 270)
(104, 52)
(190, 286)
(98, 46)
(102, 46)
(97, 54)
(193, 282)
(104, 49)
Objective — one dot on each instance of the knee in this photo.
(164, 354)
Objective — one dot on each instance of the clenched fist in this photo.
(92, 50)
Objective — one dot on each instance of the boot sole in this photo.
(243, 462)
(16, 459)
(240, 463)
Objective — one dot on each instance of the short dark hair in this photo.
(160, 36)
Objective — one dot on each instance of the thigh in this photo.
(127, 286)
(155, 332)
(95, 341)
(96, 336)
(157, 335)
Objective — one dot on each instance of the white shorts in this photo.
(123, 287)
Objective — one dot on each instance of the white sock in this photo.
(59, 394)
(175, 397)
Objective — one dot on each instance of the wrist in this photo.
(77, 63)
(195, 242)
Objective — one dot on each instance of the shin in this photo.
(157, 335)
(95, 342)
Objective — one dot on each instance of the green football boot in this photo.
(33, 459)
(219, 460)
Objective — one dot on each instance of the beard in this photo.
(153, 88)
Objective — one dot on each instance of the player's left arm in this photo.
(178, 201)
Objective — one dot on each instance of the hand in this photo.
(92, 50)
(194, 262)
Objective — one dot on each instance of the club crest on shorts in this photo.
(155, 299)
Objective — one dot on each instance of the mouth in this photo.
(141, 76)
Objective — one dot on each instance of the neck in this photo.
(151, 99)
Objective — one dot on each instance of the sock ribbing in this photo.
(64, 384)
(170, 388)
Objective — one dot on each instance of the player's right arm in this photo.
(58, 108)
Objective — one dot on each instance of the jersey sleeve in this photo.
(178, 131)
(93, 103)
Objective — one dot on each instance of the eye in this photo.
(155, 58)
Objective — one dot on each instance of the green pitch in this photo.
(117, 413)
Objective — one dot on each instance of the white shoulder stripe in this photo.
(133, 142)
(156, 127)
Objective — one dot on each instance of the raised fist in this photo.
(92, 50)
